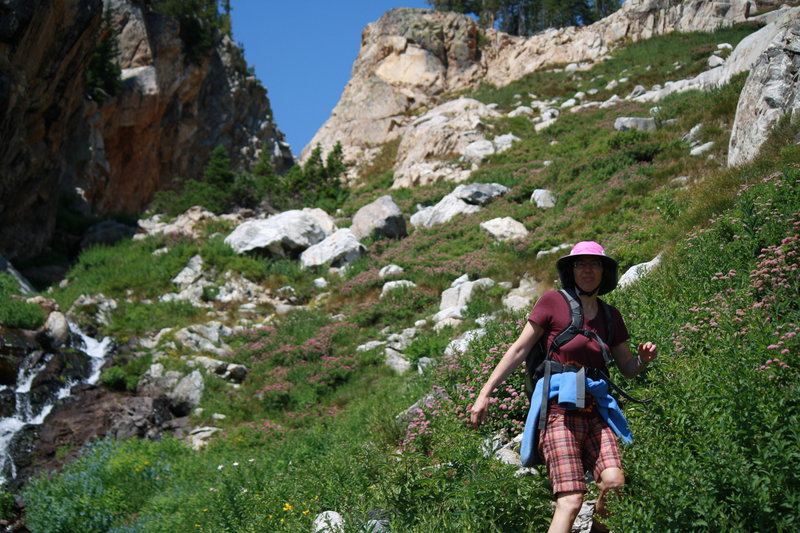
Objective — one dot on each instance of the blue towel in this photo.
(563, 386)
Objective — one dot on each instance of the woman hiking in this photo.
(577, 419)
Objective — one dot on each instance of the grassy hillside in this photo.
(315, 426)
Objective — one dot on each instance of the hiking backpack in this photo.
(535, 360)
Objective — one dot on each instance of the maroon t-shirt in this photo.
(551, 312)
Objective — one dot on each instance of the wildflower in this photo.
(220, 467)
(306, 511)
(287, 507)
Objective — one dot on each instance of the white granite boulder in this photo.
(772, 91)
(336, 250)
(465, 199)
(286, 233)
(390, 286)
(543, 198)
(637, 272)
(504, 229)
(381, 218)
(648, 125)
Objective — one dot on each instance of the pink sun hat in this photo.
(588, 249)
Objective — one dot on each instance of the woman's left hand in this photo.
(647, 352)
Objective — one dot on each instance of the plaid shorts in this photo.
(575, 443)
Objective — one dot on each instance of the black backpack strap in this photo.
(550, 367)
(575, 326)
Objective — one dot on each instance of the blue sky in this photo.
(303, 52)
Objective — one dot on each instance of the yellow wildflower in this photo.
(287, 507)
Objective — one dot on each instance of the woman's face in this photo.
(588, 271)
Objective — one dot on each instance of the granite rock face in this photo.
(410, 58)
(171, 111)
(42, 47)
(772, 90)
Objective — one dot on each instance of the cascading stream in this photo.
(24, 414)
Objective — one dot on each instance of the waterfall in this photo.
(24, 415)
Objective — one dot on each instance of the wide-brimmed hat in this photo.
(588, 248)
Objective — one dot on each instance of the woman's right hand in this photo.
(478, 411)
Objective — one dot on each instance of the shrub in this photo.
(126, 377)
(199, 21)
(16, 313)
(6, 504)
(103, 74)
(104, 488)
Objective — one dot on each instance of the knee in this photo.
(611, 479)
(570, 502)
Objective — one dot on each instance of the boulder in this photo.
(460, 344)
(336, 250)
(691, 137)
(772, 90)
(465, 199)
(187, 394)
(396, 361)
(227, 371)
(390, 270)
(715, 61)
(191, 272)
(504, 142)
(390, 286)
(460, 292)
(206, 338)
(237, 289)
(328, 522)
(476, 152)
(648, 125)
(543, 198)
(187, 223)
(702, 149)
(522, 297)
(381, 218)
(55, 332)
(637, 272)
(156, 383)
(91, 312)
(522, 110)
(448, 208)
(106, 232)
(287, 233)
(479, 193)
(504, 229)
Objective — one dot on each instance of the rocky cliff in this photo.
(411, 58)
(171, 111)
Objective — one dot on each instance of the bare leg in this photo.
(568, 504)
(610, 479)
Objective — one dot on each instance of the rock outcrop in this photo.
(171, 111)
(42, 47)
(166, 120)
(406, 57)
(409, 58)
(772, 91)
